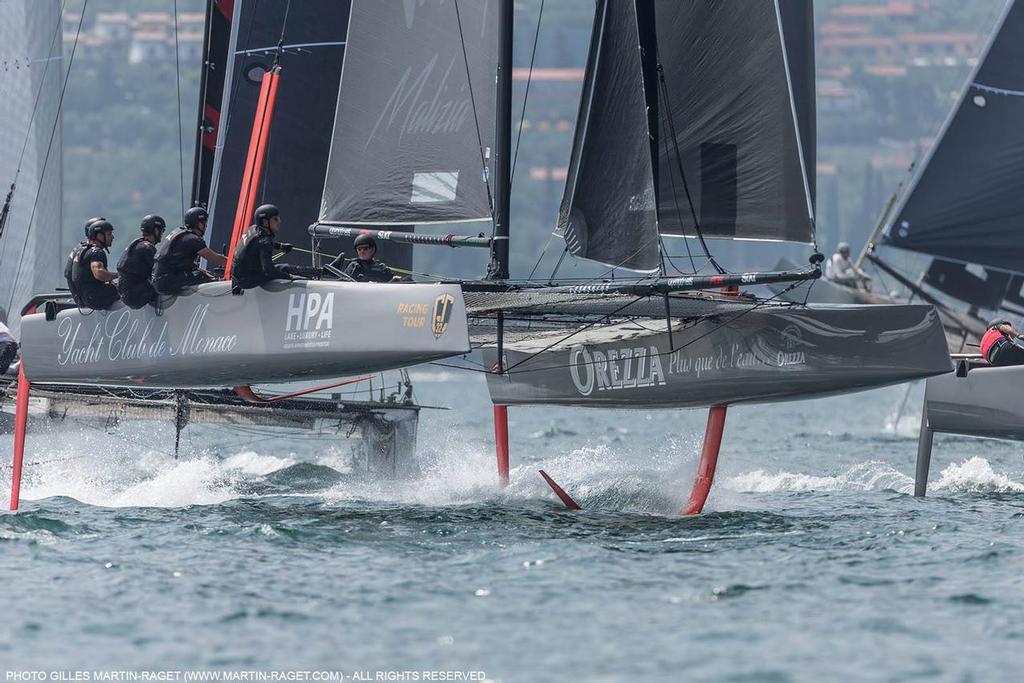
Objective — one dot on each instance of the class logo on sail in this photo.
(443, 306)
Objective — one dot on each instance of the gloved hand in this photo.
(285, 247)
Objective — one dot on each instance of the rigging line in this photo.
(675, 200)
(543, 252)
(476, 115)
(46, 158)
(177, 83)
(526, 96)
(682, 173)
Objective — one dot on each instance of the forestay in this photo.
(717, 121)
(966, 201)
(414, 126)
(31, 73)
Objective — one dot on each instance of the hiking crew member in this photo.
(135, 268)
(253, 263)
(366, 268)
(177, 260)
(91, 283)
(841, 270)
(1002, 344)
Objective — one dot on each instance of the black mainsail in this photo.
(966, 201)
(710, 89)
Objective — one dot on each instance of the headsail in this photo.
(31, 73)
(705, 92)
(414, 125)
(607, 212)
(966, 201)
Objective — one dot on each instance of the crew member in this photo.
(366, 268)
(135, 268)
(8, 347)
(177, 259)
(841, 270)
(75, 254)
(253, 263)
(91, 283)
(1002, 344)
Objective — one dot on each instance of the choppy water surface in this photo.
(812, 563)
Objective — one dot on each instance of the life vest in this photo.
(989, 340)
(69, 267)
(171, 259)
(134, 263)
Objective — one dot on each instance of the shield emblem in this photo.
(442, 314)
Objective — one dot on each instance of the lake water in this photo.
(812, 561)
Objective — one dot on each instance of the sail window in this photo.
(435, 187)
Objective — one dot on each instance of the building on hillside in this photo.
(113, 26)
(151, 46)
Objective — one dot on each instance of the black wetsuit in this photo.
(369, 271)
(134, 271)
(177, 262)
(86, 289)
(253, 263)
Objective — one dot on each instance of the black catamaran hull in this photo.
(282, 332)
(765, 355)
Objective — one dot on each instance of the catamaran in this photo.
(696, 122)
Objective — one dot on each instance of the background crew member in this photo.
(135, 268)
(366, 268)
(1002, 344)
(177, 260)
(841, 270)
(91, 282)
(253, 264)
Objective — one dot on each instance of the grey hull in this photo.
(984, 403)
(764, 355)
(284, 331)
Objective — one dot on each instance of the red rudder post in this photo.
(708, 460)
(20, 426)
(501, 442)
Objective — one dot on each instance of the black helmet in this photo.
(90, 222)
(265, 212)
(194, 216)
(998, 322)
(365, 239)
(99, 227)
(152, 223)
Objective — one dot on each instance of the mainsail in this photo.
(31, 73)
(414, 126)
(716, 113)
(966, 201)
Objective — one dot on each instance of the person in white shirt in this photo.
(841, 270)
(8, 347)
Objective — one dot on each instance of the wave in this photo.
(974, 475)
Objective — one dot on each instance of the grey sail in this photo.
(31, 73)
(728, 124)
(414, 125)
(966, 201)
(607, 212)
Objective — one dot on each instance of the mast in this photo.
(498, 268)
